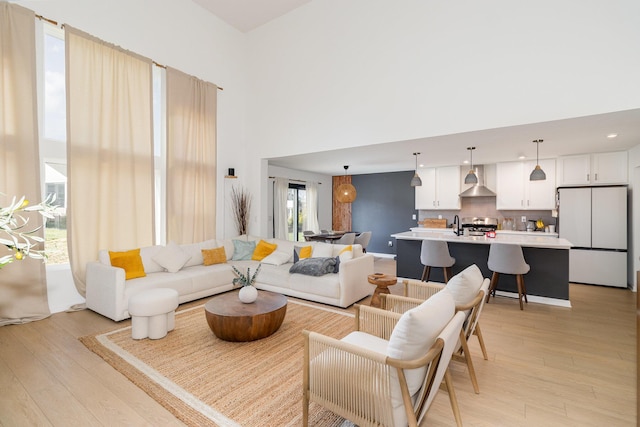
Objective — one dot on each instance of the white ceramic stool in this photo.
(153, 313)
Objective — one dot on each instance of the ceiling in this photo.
(246, 15)
(563, 137)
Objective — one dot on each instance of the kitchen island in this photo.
(548, 256)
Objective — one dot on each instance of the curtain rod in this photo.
(51, 21)
(291, 179)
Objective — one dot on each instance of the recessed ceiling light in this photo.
(522, 157)
(466, 162)
(612, 135)
(421, 165)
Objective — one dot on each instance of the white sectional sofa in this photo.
(108, 293)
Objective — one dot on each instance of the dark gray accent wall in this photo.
(384, 205)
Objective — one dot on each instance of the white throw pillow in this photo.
(171, 257)
(346, 253)
(415, 333)
(465, 285)
(276, 258)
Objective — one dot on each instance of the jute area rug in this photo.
(205, 381)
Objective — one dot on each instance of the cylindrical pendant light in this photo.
(471, 177)
(416, 181)
(537, 174)
(346, 193)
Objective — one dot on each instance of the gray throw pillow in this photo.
(243, 250)
(315, 266)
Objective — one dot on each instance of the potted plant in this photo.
(248, 293)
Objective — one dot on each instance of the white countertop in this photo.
(531, 239)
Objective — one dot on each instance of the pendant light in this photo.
(537, 174)
(471, 177)
(416, 181)
(346, 193)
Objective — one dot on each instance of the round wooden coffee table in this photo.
(382, 282)
(232, 320)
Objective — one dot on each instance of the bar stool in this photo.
(435, 253)
(507, 259)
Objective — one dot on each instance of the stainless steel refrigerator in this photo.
(594, 220)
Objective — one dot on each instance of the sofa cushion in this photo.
(243, 250)
(194, 250)
(130, 261)
(322, 250)
(214, 256)
(300, 252)
(417, 330)
(314, 266)
(229, 248)
(147, 253)
(277, 257)
(465, 285)
(205, 277)
(327, 285)
(262, 250)
(172, 257)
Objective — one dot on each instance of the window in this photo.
(296, 208)
(53, 135)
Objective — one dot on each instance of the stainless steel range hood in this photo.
(479, 189)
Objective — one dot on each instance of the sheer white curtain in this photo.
(109, 150)
(23, 286)
(191, 158)
(312, 207)
(280, 193)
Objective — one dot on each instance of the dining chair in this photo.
(363, 239)
(346, 239)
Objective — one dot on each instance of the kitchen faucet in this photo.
(456, 225)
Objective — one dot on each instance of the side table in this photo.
(382, 282)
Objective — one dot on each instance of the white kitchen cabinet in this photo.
(514, 191)
(440, 188)
(610, 168)
(593, 169)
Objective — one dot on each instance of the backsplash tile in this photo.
(486, 207)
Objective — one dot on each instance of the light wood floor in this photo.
(548, 366)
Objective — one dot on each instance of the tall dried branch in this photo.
(241, 205)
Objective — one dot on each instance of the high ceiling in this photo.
(562, 137)
(246, 15)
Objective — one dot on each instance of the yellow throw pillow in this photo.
(214, 256)
(130, 261)
(300, 252)
(262, 250)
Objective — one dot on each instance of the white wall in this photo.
(341, 73)
(633, 261)
(178, 33)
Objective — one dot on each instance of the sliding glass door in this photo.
(296, 208)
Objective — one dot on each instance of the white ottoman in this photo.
(153, 313)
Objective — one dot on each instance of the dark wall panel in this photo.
(384, 205)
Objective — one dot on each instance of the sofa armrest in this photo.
(105, 287)
(354, 284)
